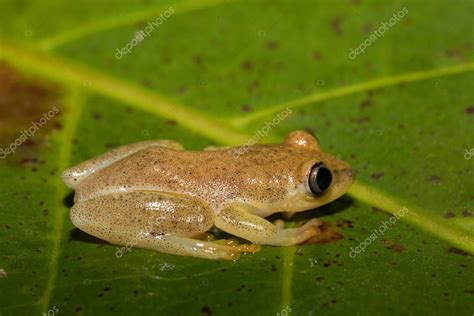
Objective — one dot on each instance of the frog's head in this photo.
(319, 177)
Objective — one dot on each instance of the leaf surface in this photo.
(214, 73)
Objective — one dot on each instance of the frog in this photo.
(168, 199)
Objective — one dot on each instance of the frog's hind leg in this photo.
(161, 221)
(74, 175)
(196, 248)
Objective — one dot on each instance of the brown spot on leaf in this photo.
(466, 214)
(317, 55)
(457, 53)
(28, 109)
(434, 179)
(247, 65)
(198, 60)
(378, 210)
(147, 83)
(345, 223)
(393, 246)
(253, 86)
(336, 25)
(397, 247)
(366, 102)
(361, 120)
(377, 175)
(206, 310)
(449, 215)
(272, 45)
(327, 234)
(111, 145)
(367, 28)
(246, 108)
(28, 162)
(3, 273)
(182, 90)
(57, 125)
(458, 251)
(469, 110)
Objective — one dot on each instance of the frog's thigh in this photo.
(237, 219)
(74, 175)
(160, 221)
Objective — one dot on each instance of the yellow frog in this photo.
(165, 198)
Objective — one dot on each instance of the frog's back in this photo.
(215, 176)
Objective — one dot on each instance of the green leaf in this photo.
(215, 73)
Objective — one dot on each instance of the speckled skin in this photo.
(163, 197)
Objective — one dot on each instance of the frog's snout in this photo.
(348, 175)
(345, 177)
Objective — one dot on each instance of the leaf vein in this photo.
(355, 88)
(72, 118)
(91, 28)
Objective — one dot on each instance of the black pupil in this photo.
(324, 178)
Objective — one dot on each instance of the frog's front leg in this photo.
(161, 221)
(237, 219)
(75, 174)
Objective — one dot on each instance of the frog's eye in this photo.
(320, 179)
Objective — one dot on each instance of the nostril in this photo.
(354, 173)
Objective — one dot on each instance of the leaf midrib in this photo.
(67, 73)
